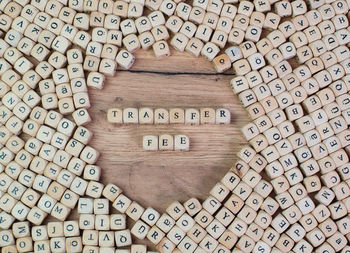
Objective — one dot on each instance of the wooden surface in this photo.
(158, 178)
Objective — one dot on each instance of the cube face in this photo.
(181, 143)
(130, 115)
(166, 142)
(150, 142)
(146, 116)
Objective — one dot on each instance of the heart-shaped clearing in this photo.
(157, 178)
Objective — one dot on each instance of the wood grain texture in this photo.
(158, 178)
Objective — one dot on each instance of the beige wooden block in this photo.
(166, 142)
(8, 220)
(150, 216)
(215, 229)
(228, 239)
(39, 233)
(337, 209)
(106, 240)
(146, 116)
(222, 63)
(161, 116)
(111, 192)
(264, 188)
(130, 115)
(81, 100)
(69, 198)
(183, 10)
(95, 80)
(143, 24)
(55, 229)
(74, 244)
(71, 228)
(223, 116)
(96, 19)
(66, 105)
(241, 67)
(185, 222)
(156, 18)
(123, 238)
(91, 63)
(193, 206)
(194, 46)
(140, 229)
(181, 142)
(13, 37)
(94, 189)
(135, 10)
(224, 25)
(58, 242)
(176, 235)
(192, 116)
(81, 117)
(165, 222)
(30, 197)
(155, 235)
(115, 115)
(127, 26)
(24, 244)
(238, 227)
(86, 222)
(248, 48)
(102, 222)
(174, 24)
(90, 237)
(135, 211)
(188, 29)
(196, 233)
(166, 246)
(125, 59)
(176, 116)
(236, 36)
(204, 32)
(207, 116)
(175, 210)
(337, 241)
(160, 33)
(270, 206)
(179, 41)
(120, 8)
(109, 51)
(161, 49)
(107, 67)
(210, 50)
(121, 203)
(234, 53)
(131, 43)
(328, 227)
(101, 206)
(117, 221)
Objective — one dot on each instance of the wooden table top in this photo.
(158, 178)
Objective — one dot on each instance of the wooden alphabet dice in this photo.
(150, 142)
(161, 49)
(166, 142)
(181, 143)
(210, 50)
(125, 59)
(115, 115)
(123, 238)
(140, 229)
(222, 63)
